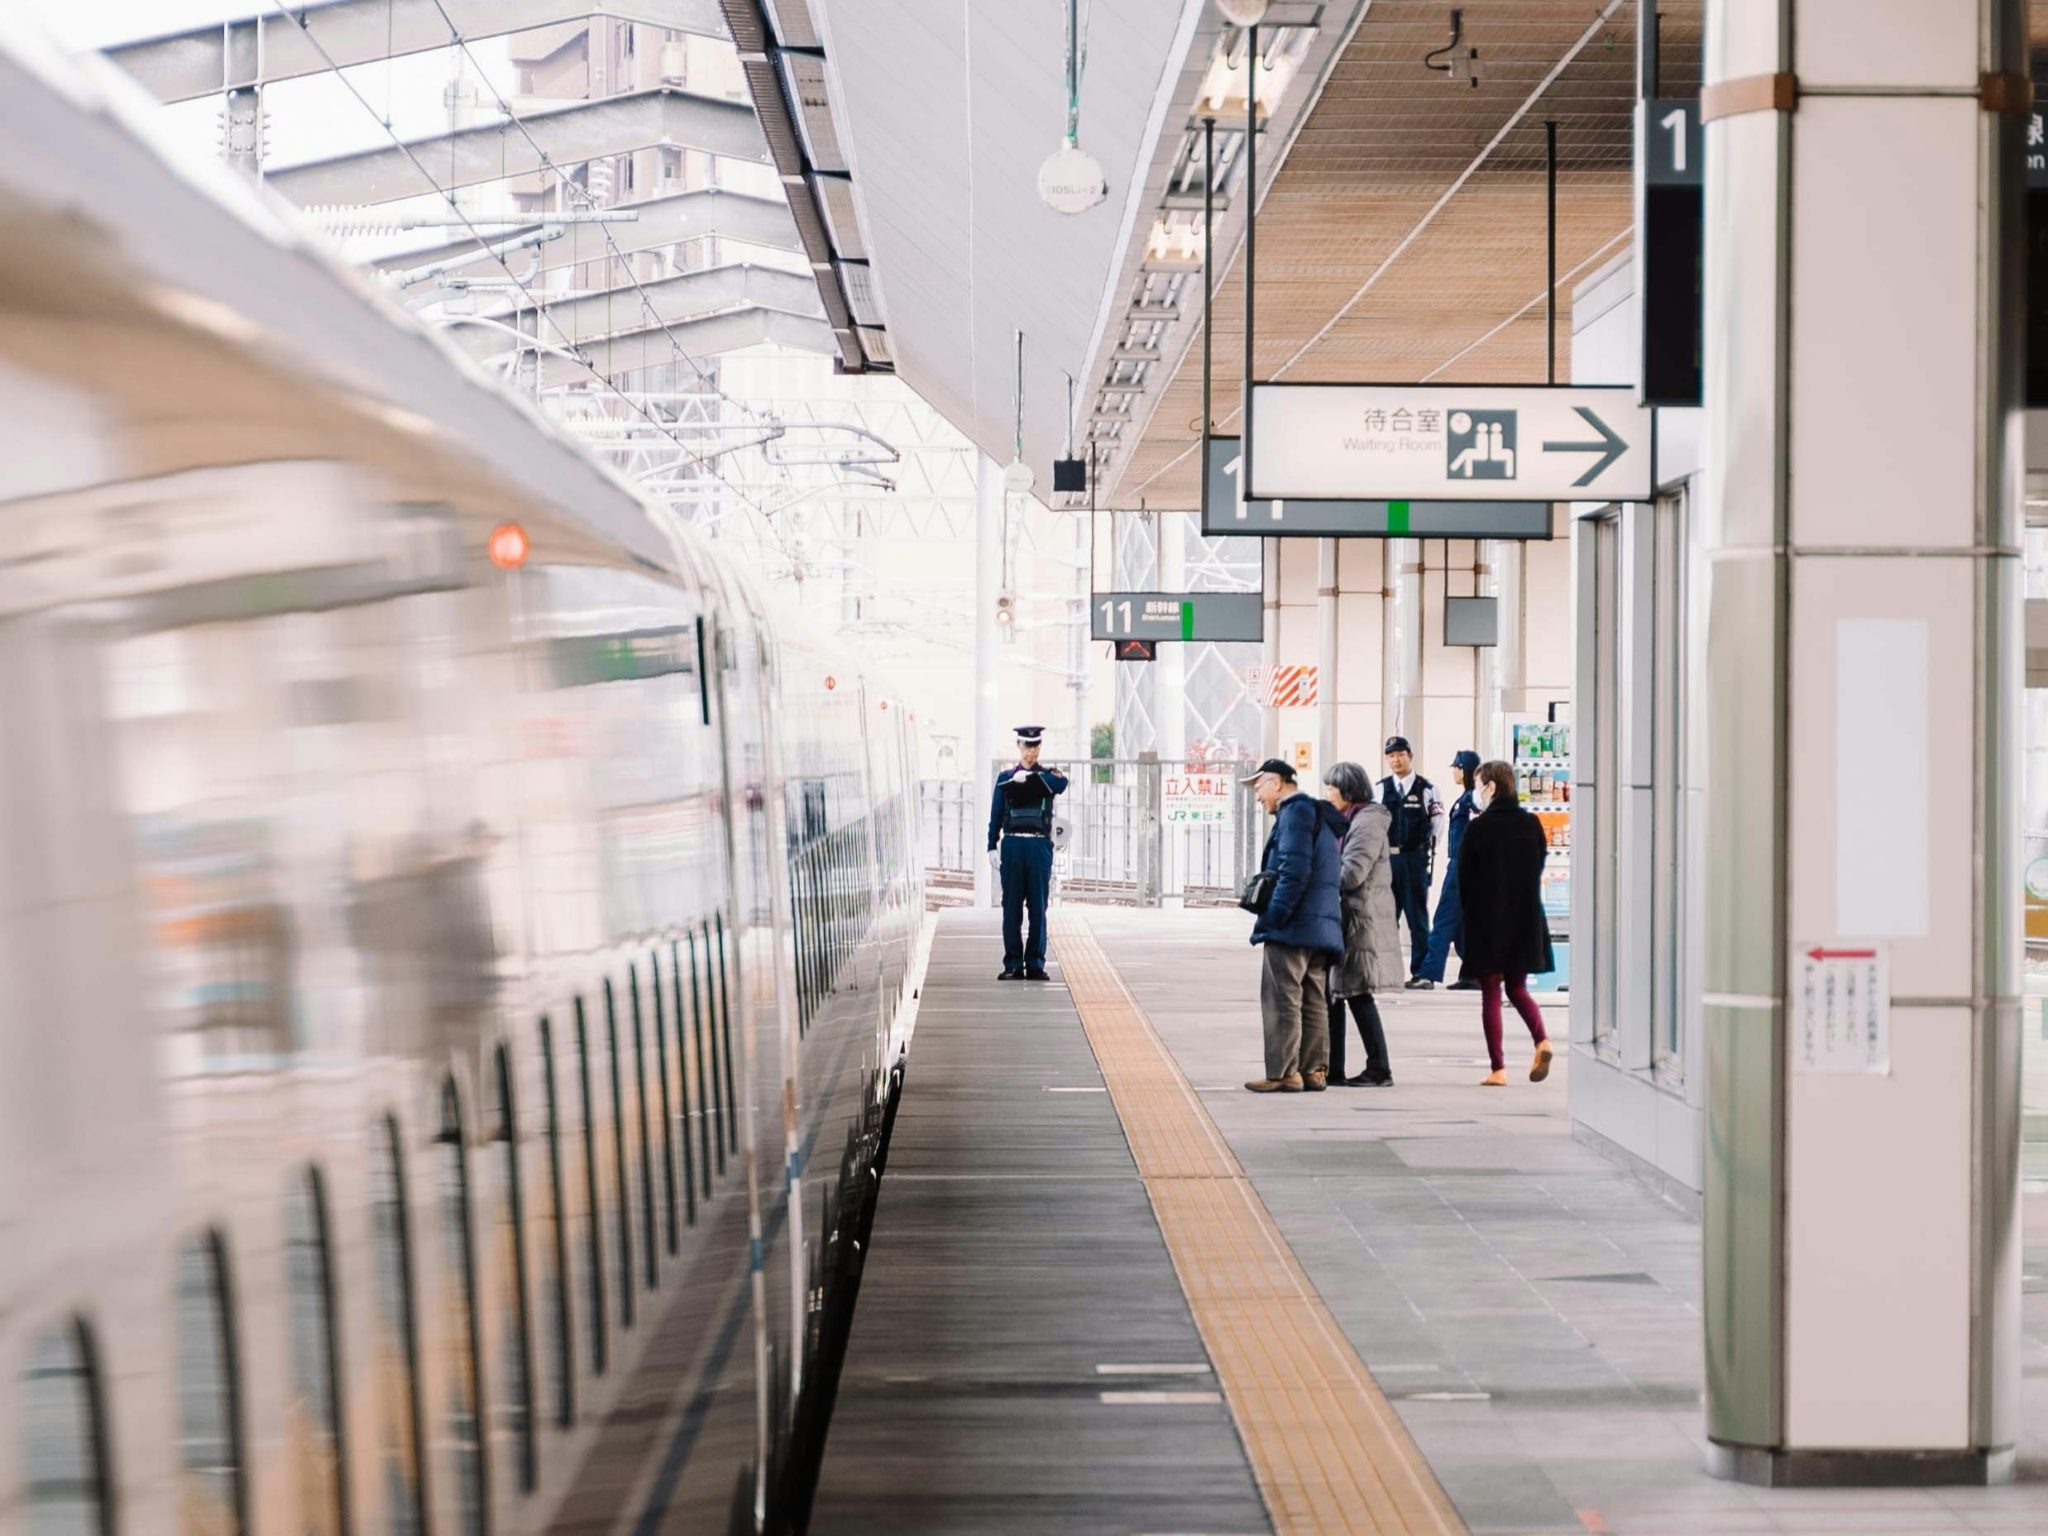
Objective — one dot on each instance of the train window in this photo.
(209, 1434)
(463, 1423)
(63, 1439)
(593, 1225)
(703, 1079)
(714, 1092)
(554, 1249)
(622, 1183)
(395, 1366)
(515, 1370)
(667, 1107)
(313, 1425)
(703, 675)
(732, 1130)
(675, 993)
(649, 1255)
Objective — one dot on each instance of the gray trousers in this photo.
(1294, 1009)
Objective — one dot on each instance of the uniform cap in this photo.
(1467, 760)
(1272, 765)
(1030, 732)
(1397, 744)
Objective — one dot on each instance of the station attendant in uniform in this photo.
(1418, 820)
(1447, 927)
(1020, 825)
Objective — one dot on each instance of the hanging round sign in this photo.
(1071, 181)
(1018, 479)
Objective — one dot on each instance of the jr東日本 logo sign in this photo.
(1322, 442)
(1196, 796)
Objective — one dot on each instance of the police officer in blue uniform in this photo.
(1020, 815)
(1448, 926)
(1418, 820)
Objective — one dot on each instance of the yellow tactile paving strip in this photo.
(1327, 1449)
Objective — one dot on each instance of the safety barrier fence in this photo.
(1134, 831)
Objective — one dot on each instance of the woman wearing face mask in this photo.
(1507, 936)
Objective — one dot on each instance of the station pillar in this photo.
(1860, 671)
(988, 582)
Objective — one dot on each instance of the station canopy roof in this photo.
(1402, 222)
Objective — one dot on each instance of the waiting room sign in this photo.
(1450, 442)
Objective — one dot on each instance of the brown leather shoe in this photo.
(1291, 1083)
(1314, 1082)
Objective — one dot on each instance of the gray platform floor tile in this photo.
(1467, 1243)
(1014, 1252)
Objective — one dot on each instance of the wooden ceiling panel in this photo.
(1399, 240)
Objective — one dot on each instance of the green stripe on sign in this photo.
(1187, 619)
(1397, 517)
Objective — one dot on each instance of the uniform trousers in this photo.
(1027, 881)
(1294, 1010)
(1411, 895)
(1447, 929)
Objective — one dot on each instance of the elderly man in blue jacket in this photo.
(1301, 929)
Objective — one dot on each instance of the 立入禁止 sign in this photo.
(1196, 797)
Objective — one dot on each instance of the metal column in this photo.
(988, 576)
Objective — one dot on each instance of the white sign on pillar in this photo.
(1841, 1009)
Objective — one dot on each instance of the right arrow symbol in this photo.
(1610, 446)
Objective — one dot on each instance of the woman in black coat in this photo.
(1507, 937)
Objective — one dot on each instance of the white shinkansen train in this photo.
(448, 1013)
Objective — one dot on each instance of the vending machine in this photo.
(1543, 779)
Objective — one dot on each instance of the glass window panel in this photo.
(461, 1423)
(394, 1355)
(63, 1461)
(593, 1206)
(313, 1410)
(554, 1287)
(209, 1450)
(515, 1376)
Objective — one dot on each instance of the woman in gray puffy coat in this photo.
(1372, 952)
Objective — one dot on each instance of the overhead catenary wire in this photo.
(583, 193)
(298, 19)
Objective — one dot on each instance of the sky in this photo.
(309, 118)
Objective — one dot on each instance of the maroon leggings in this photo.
(1489, 1013)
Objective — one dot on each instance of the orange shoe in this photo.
(1539, 1068)
(1494, 1080)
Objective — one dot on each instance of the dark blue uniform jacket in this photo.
(1001, 818)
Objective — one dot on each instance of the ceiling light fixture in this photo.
(1223, 87)
(1071, 179)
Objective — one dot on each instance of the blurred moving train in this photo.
(448, 1014)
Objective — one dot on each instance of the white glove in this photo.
(995, 862)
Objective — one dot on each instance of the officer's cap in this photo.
(1467, 760)
(1396, 744)
(1029, 733)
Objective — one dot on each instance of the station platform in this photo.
(1110, 1291)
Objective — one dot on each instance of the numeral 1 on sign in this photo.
(1109, 615)
(1231, 468)
(1675, 121)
